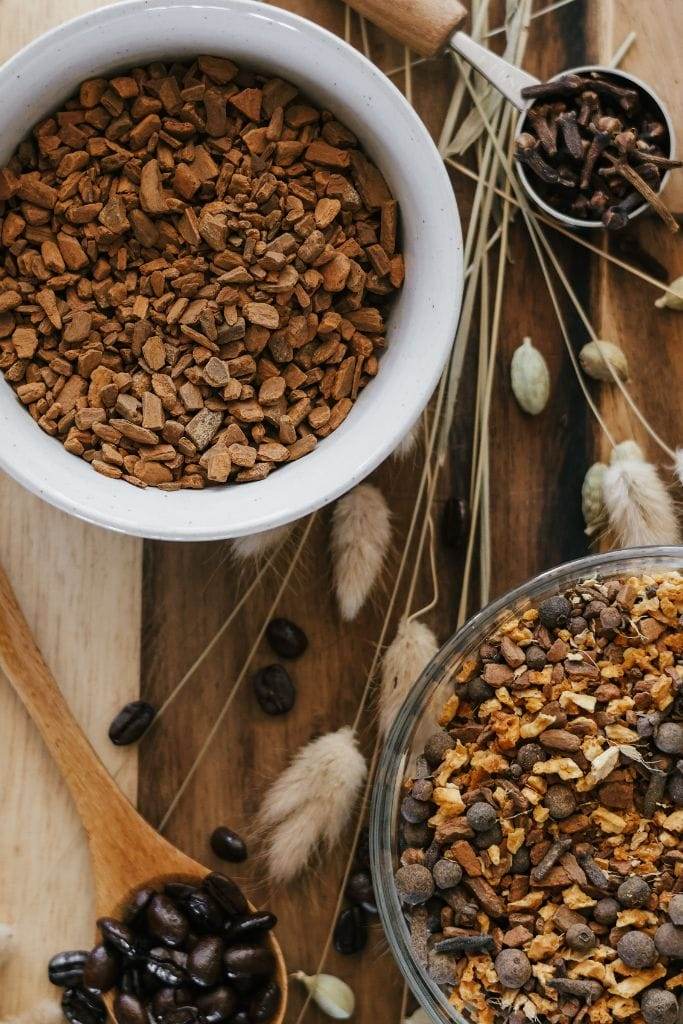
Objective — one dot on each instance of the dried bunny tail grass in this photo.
(258, 545)
(408, 443)
(405, 659)
(45, 1012)
(640, 510)
(311, 802)
(361, 531)
(6, 942)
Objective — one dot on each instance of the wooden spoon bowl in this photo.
(126, 852)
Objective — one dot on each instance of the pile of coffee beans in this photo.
(185, 955)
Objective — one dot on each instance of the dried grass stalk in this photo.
(640, 510)
(405, 659)
(361, 532)
(309, 805)
(258, 545)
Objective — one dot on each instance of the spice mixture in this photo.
(186, 955)
(542, 862)
(195, 266)
(595, 148)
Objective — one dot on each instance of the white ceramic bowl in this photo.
(421, 325)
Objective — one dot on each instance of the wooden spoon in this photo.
(126, 852)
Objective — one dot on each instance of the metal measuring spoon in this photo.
(431, 26)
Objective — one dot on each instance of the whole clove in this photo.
(596, 149)
(595, 875)
(585, 989)
(540, 872)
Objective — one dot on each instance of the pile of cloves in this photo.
(596, 149)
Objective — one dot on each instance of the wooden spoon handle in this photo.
(100, 803)
(423, 25)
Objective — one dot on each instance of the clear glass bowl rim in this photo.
(392, 764)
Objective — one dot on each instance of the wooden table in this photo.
(117, 618)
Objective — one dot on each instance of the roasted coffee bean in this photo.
(66, 969)
(351, 931)
(286, 638)
(248, 963)
(228, 845)
(136, 906)
(217, 1006)
(118, 935)
(131, 723)
(203, 912)
(205, 962)
(81, 1007)
(265, 1005)
(132, 982)
(101, 969)
(182, 1015)
(227, 893)
(179, 891)
(241, 1017)
(274, 689)
(166, 972)
(166, 999)
(250, 924)
(165, 921)
(129, 1010)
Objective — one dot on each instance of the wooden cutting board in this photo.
(116, 618)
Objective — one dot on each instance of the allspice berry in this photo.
(605, 911)
(513, 968)
(669, 941)
(415, 884)
(481, 816)
(555, 612)
(580, 937)
(637, 950)
(659, 1006)
(669, 738)
(560, 801)
(478, 691)
(436, 747)
(447, 874)
(529, 754)
(634, 892)
(676, 909)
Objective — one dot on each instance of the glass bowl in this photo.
(417, 720)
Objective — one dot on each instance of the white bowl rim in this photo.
(150, 513)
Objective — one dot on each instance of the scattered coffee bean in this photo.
(256, 924)
(351, 931)
(481, 817)
(447, 874)
(580, 937)
(131, 723)
(228, 845)
(81, 1007)
(227, 893)
(606, 910)
(555, 612)
(274, 690)
(637, 950)
(634, 892)
(436, 747)
(513, 968)
(286, 638)
(136, 906)
(66, 969)
(414, 883)
(659, 1007)
(101, 969)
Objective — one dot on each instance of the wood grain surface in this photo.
(91, 634)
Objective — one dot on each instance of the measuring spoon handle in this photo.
(100, 804)
(423, 25)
